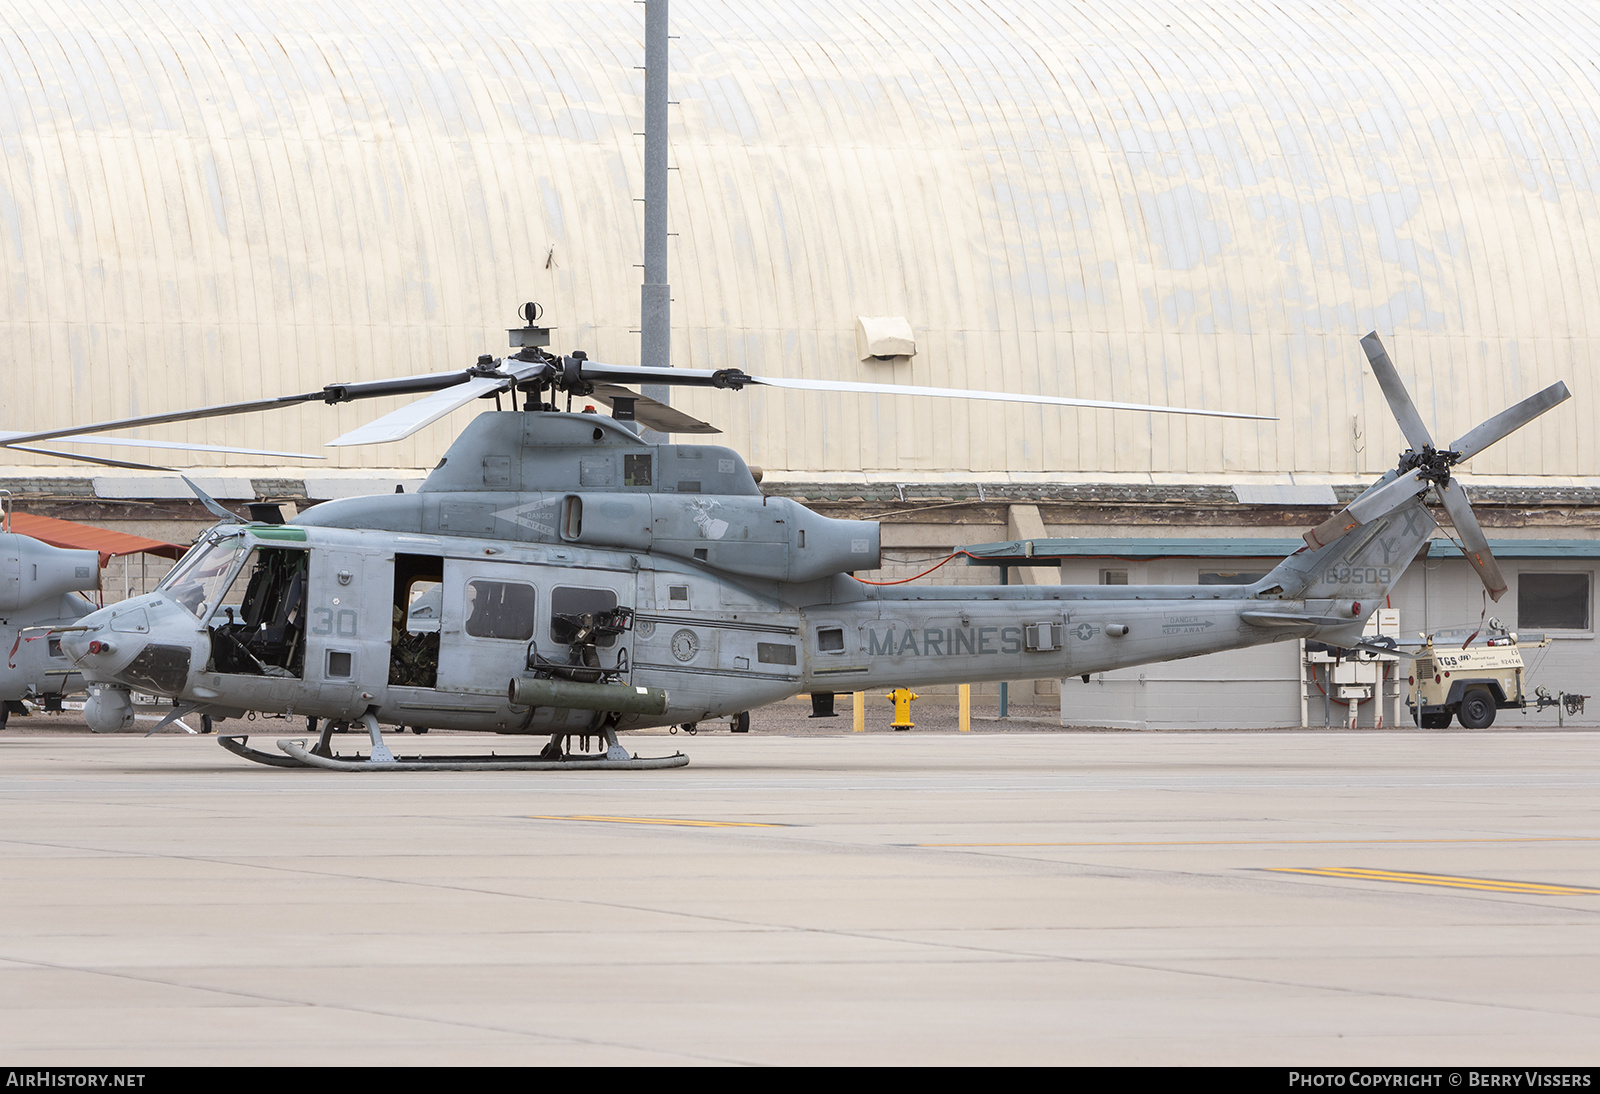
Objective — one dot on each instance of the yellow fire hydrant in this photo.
(901, 698)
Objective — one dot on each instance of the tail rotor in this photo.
(1423, 466)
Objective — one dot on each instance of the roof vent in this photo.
(884, 338)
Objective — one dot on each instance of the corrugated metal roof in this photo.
(1194, 203)
(67, 533)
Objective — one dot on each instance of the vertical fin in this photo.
(1363, 564)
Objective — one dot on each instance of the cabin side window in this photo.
(500, 609)
(572, 610)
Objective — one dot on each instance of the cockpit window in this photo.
(258, 625)
(199, 580)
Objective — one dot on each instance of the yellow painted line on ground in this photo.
(1492, 885)
(675, 821)
(1271, 842)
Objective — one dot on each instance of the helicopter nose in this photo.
(130, 644)
(96, 650)
(75, 643)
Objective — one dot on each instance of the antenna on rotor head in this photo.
(532, 336)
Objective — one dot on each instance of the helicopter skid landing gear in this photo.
(556, 750)
(553, 757)
(380, 751)
(297, 755)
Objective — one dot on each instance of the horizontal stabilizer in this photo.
(1291, 619)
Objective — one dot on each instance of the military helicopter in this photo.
(41, 588)
(558, 575)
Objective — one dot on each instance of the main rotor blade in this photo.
(598, 372)
(81, 458)
(6, 440)
(395, 385)
(401, 423)
(219, 411)
(647, 411)
(1459, 507)
(1394, 390)
(990, 396)
(642, 374)
(1478, 438)
(333, 393)
(1377, 500)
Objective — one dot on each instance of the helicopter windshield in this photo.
(201, 577)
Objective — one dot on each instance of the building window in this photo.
(1113, 577)
(1553, 602)
(1239, 577)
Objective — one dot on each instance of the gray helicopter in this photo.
(41, 588)
(558, 575)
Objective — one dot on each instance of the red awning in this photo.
(84, 537)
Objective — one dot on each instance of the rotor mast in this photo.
(655, 296)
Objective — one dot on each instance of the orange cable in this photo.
(903, 580)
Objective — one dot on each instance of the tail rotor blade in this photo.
(1391, 495)
(1371, 505)
(1331, 529)
(1394, 390)
(1475, 440)
(1459, 507)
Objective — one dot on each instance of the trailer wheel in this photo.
(1477, 709)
